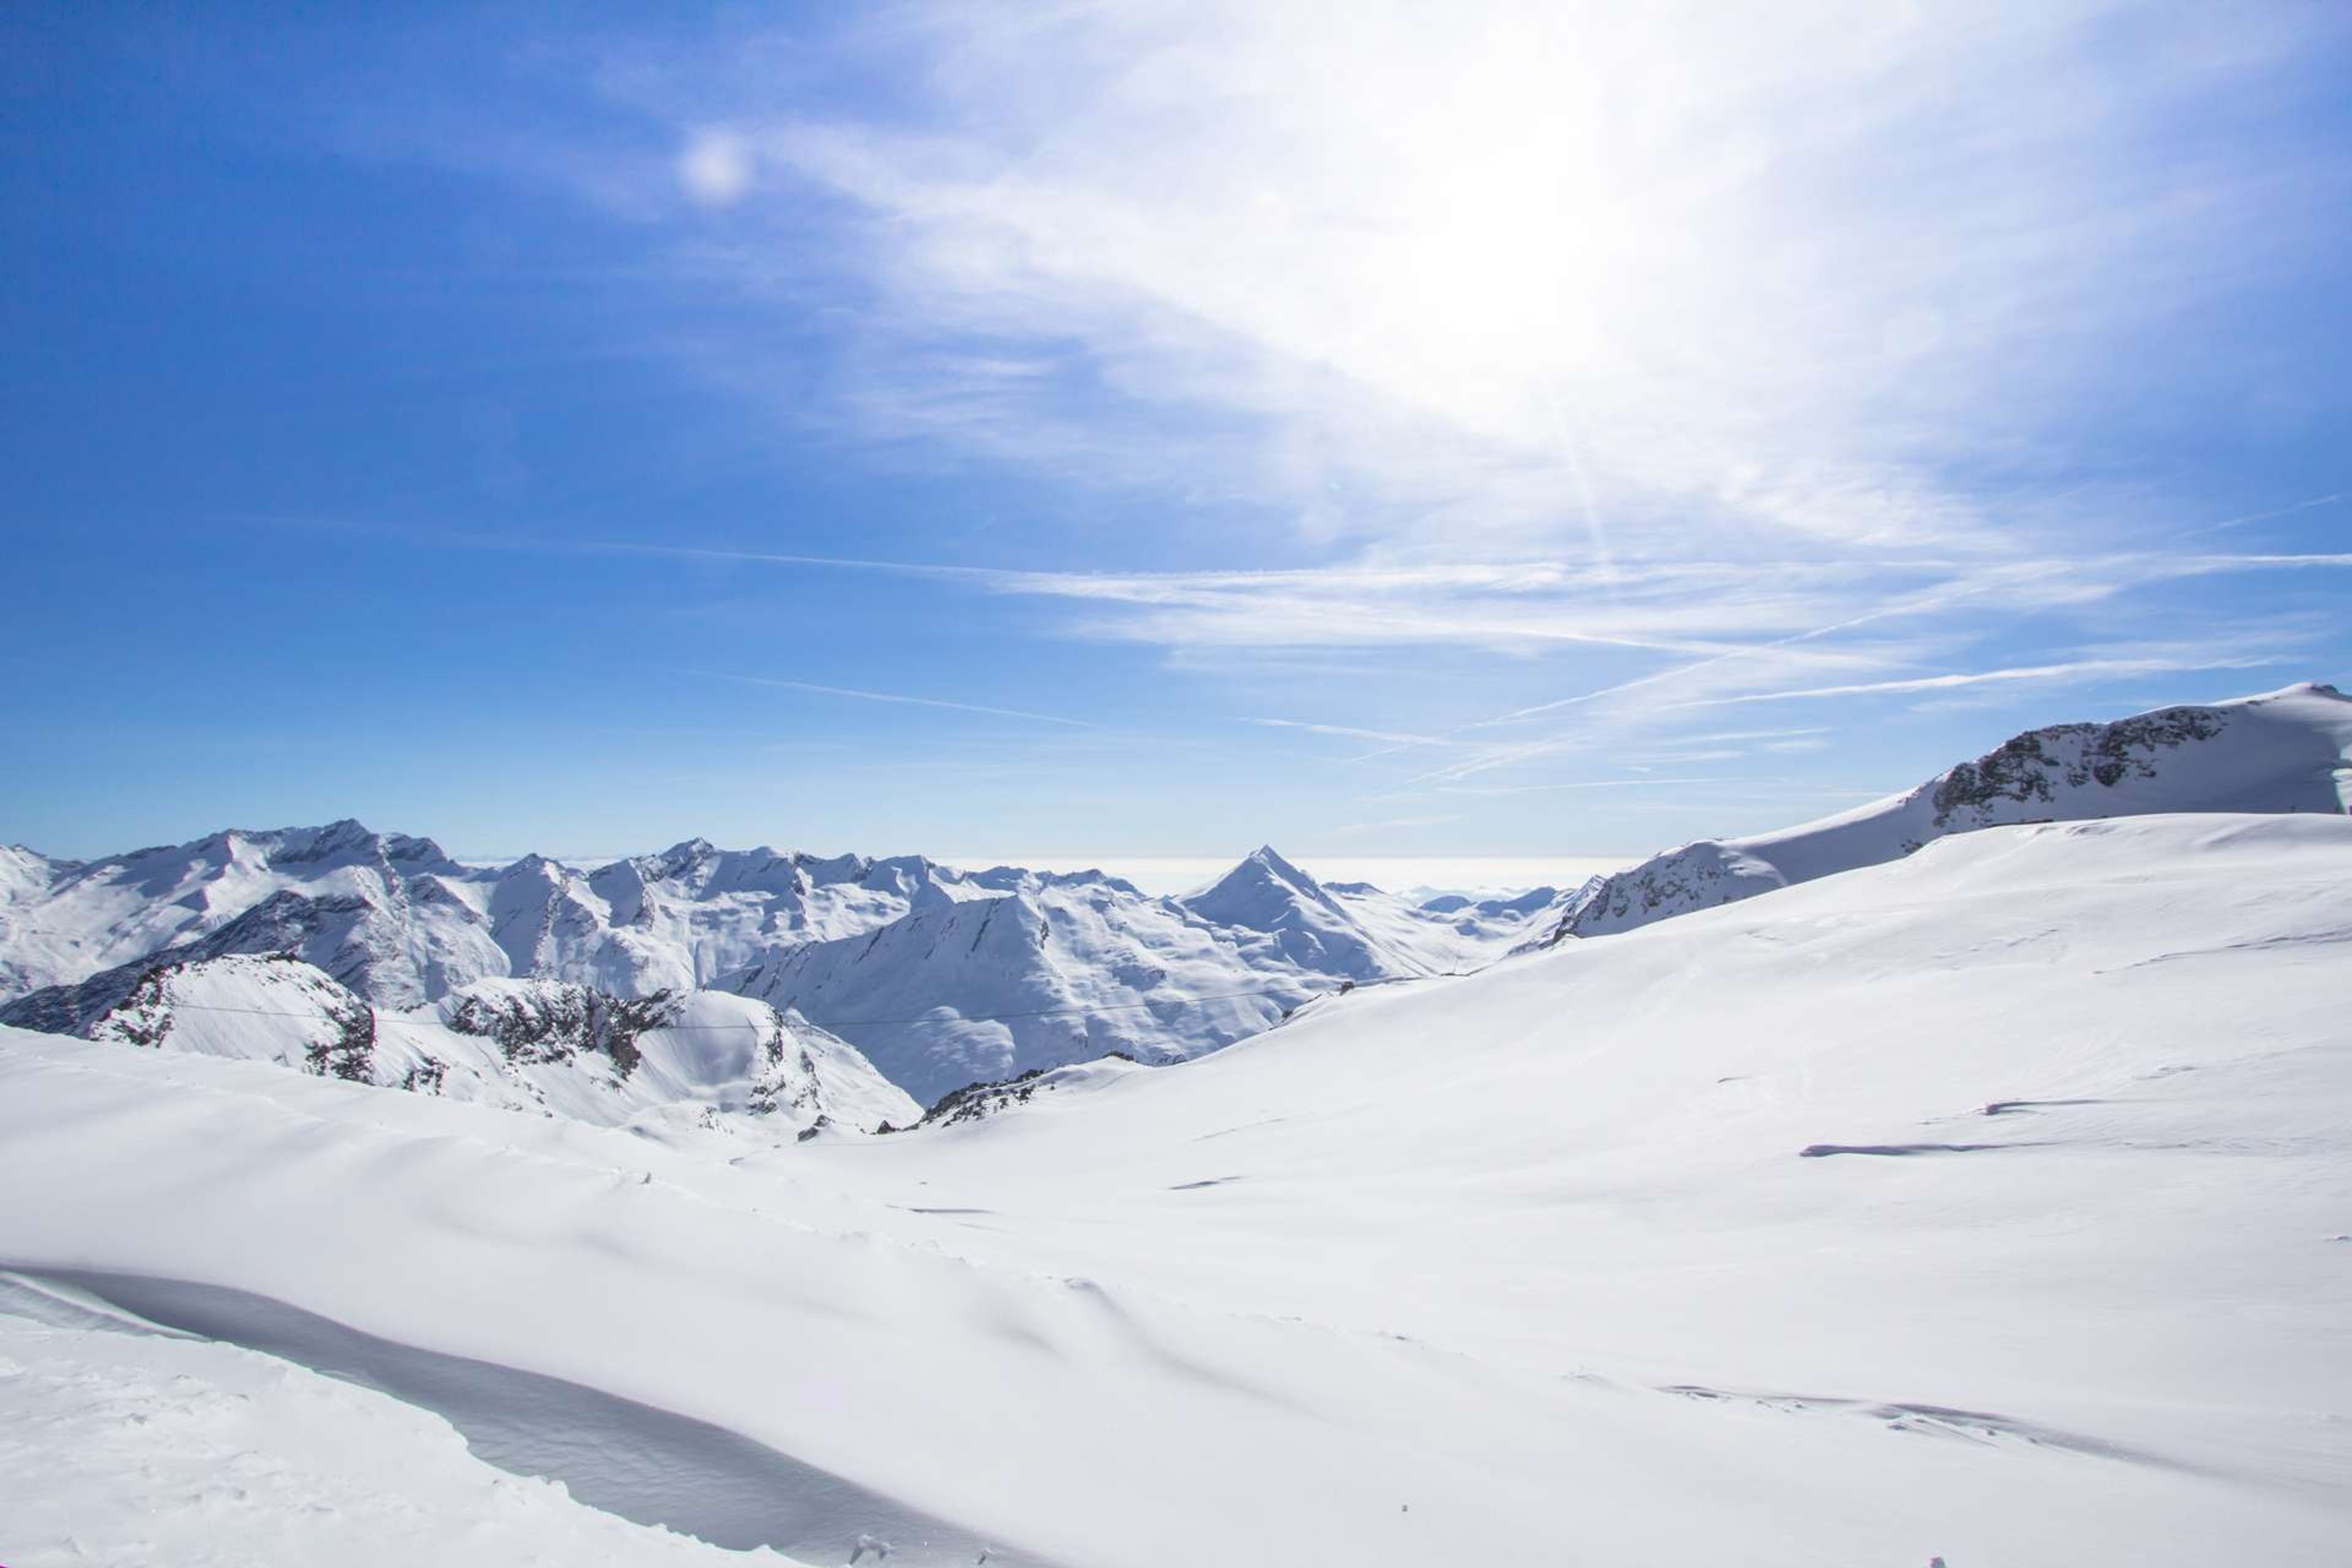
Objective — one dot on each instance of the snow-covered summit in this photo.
(1305, 922)
(341, 893)
(2285, 751)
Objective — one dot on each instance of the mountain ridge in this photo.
(398, 920)
(2283, 751)
(944, 976)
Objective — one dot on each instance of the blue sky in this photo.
(1148, 430)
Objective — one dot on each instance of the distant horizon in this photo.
(1159, 872)
(1156, 874)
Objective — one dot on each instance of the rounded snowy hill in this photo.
(697, 1059)
(2287, 750)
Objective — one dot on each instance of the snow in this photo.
(1309, 926)
(643, 1464)
(2287, 750)
(1529, 1265)
(1051, 974)
(131, 1450)
(704, 1059)
(942, 976)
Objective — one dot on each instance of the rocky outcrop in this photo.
(2287, 750)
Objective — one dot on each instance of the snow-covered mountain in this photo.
(2287, 750)
(693, 1058)
(398, 921)
(943, 976)
(1351, 928)
(1987, 1204)
(375, 911)
(1076, 968)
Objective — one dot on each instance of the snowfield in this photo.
(139, 1450)
(1989, 1204)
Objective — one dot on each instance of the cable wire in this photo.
(873, 1023)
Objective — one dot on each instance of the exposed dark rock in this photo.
(2031, 767)
(550, 1023)
(352, 1054)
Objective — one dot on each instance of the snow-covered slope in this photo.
(1038, 977)
(2289, 751)
(1987, 1203)
(141, 1450)
(699, 1058)
(1071, 969)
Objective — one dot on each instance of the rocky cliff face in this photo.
(2064, 761)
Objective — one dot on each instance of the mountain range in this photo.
(939, 977)
(942, 976)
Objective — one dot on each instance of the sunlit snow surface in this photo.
(1527, 1267)
(135, 1450)
(633, 1461)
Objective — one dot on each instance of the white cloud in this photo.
(716, 168)
(1509, 273)
(1350, 732)
(2074, 670)
(855, 694)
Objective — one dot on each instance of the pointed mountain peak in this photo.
(537, 865)
(683, 856)
(1249, 894)
(1267, 860)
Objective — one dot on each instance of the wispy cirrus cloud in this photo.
(1660, 358)
(1508, 274)
(1350, 732)
(854, 694)
(2041, 674)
